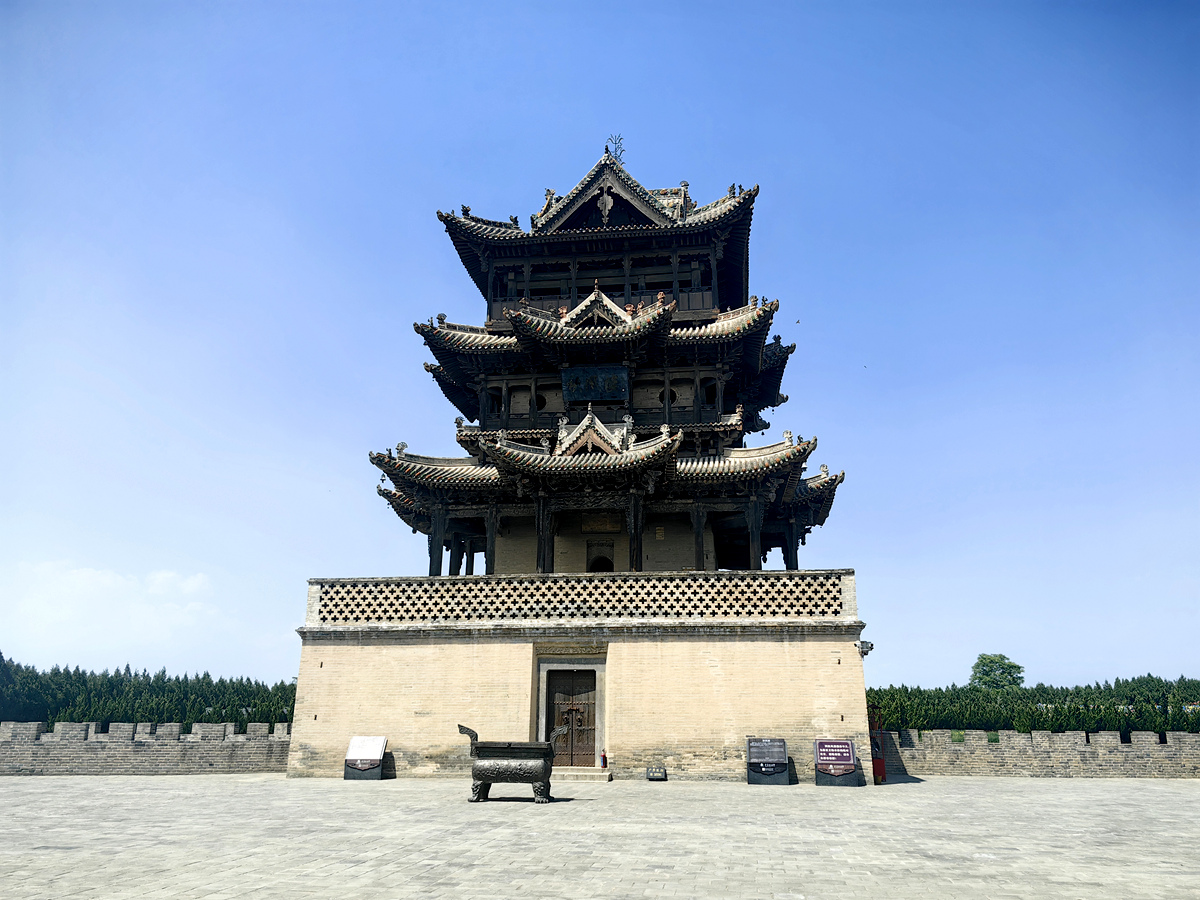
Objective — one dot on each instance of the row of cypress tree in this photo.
(1145, 703)
(127, 695)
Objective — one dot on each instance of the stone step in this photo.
(580, 773)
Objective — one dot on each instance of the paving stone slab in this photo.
(266, 836)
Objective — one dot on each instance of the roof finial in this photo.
(618, 148)
(400, 448)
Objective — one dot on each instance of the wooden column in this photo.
(791, 556)
(456, 555)
(667, 396)
(574, 273)
(635, 522)
(628, 262)
(489, 549)
(544, 524)
(754, 520)
(471, 556)
(699, 516)
(527, 270)
(675, 276)
(437, 537)
(712, 261)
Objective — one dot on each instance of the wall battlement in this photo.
(1044, 754)
(126, 748)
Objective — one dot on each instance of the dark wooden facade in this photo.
(619, 368)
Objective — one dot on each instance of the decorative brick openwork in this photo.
(700, 595)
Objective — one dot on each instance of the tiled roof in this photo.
(607, 165)
(728, 325)
(746, 463)
(597, 303)
(449, 341)
(401, 502)
(464, 338)
(558, 331)
(818, 493)
(436, 472)
(537, 461)
(588, 433)
(664, 205)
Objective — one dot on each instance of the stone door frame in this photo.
(546, 664)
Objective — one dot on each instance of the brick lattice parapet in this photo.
(608, 597)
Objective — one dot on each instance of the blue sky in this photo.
(217, 227)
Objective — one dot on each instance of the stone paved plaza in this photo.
(264, 836)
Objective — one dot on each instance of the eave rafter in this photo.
(463, 397)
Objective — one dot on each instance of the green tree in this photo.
(996, 671)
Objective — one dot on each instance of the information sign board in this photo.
(834, 757)
(364, 758)
(836, 763)
(766, 761)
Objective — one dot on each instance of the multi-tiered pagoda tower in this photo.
(605, 403)
(621, 364)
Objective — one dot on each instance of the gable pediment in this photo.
(596, 309)
(604, 200)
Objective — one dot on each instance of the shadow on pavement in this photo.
(897, 778)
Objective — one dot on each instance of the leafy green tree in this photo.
(995, 671)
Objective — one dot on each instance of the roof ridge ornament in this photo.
(605, 203)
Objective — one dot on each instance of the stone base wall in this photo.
(77, 748)
(688, 664)
(683, 700)
(1043, 754)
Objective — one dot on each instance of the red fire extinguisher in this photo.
(603, 760)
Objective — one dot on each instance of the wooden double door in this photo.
(571, 701)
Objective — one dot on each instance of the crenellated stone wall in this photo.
(78, 748)
(1071, 754)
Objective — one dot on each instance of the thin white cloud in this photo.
(56, 612)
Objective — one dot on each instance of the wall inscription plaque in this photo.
(595, 384)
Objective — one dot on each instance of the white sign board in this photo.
(365, 748)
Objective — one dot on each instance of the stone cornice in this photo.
(579, 630)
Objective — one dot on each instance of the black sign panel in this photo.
(766, 761)
(656, 773)
(834, 757)
(836, 763)
(595, 384)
